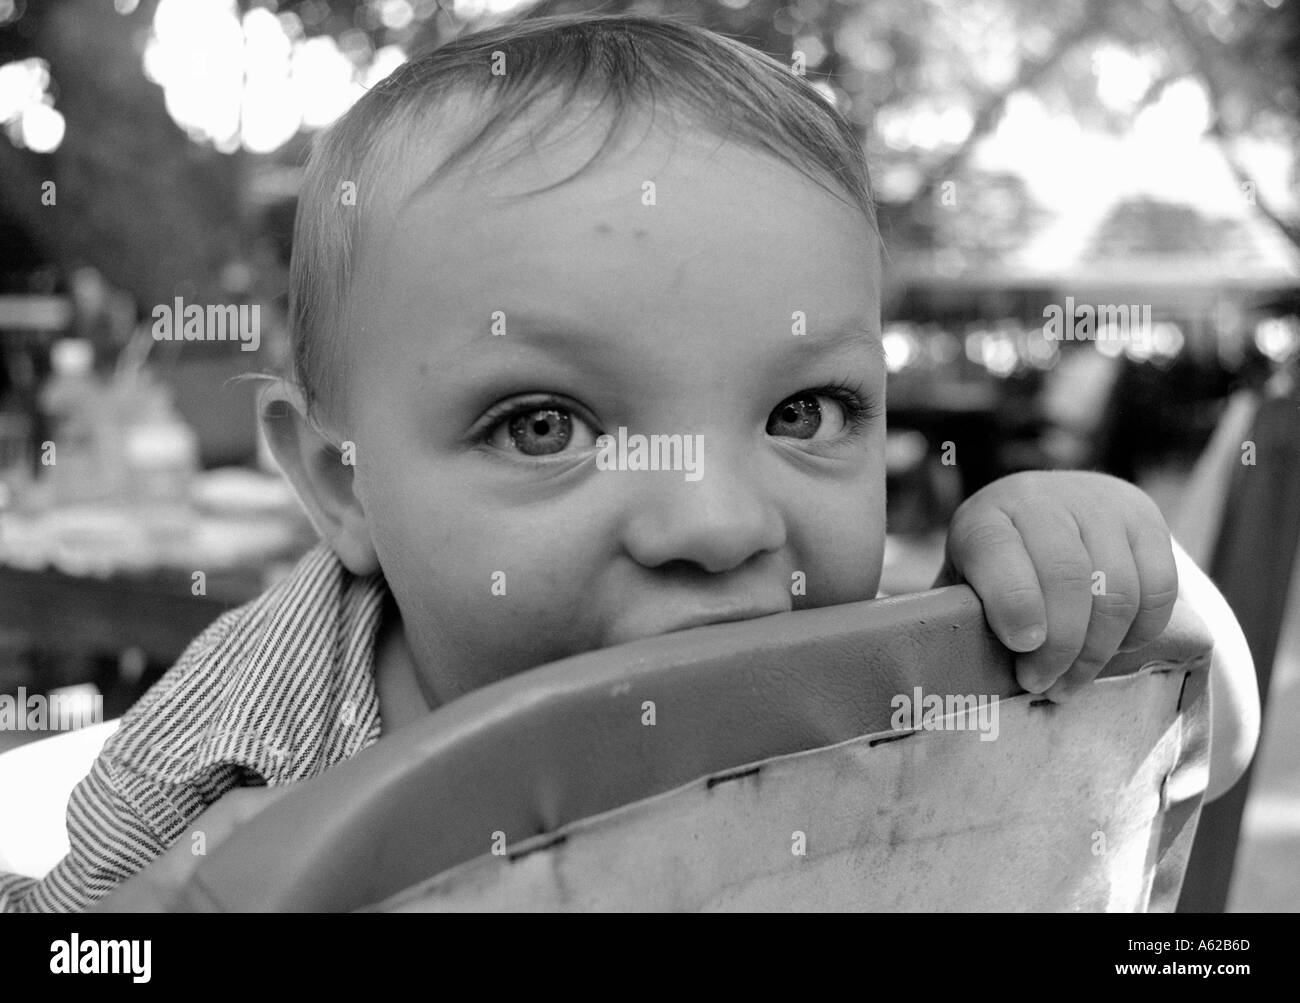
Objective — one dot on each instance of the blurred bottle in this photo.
(71, 400)
(15, 456)
(161, 454)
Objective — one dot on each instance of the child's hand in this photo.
(1071, 567)
(156, 888)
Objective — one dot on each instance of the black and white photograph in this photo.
(649, 456)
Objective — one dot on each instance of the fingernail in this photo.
(1027, 639)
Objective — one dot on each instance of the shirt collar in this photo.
(283, 686)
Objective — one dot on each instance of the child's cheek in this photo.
(844, 549)
(846, 560)
(852, 575)
(507, 594)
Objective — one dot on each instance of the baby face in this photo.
(496, 337)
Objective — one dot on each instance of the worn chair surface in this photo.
(777, 773)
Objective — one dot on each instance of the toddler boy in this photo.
(525, 241)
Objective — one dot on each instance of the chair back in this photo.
(797, 761)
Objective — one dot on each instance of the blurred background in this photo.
(1025, 155)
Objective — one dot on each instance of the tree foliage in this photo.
(923, 80)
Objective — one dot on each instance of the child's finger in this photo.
(1153, 556)
(988, 552)
(1116, 592)
(1065, 575)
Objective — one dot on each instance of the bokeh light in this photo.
(26, 107)
(1278, 338)
(41, 128)
(253, 82)
(479, 8)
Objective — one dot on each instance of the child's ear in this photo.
(321, 473)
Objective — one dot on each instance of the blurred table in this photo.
(82, 616)
(95, 580)
(965, 414)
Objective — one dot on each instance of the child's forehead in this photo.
(676, 191)
(670, 232)
(674, 240)
(557, 141)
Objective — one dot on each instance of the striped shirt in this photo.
(274, 692)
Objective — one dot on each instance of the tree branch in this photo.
(990, 111)
(1203, 60)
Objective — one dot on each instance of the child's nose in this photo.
(718, 522)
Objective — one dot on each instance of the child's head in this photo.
(555, 230)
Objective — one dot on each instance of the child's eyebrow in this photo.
(558, 335)
(564, 333)
(843, 337)
(837, 340)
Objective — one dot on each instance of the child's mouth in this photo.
(671, 618)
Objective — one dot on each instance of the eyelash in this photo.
(859, 411)
(502, 413)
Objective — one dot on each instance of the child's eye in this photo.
(540, 429)
(819, 414)
(802, 417)
(537, 433)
